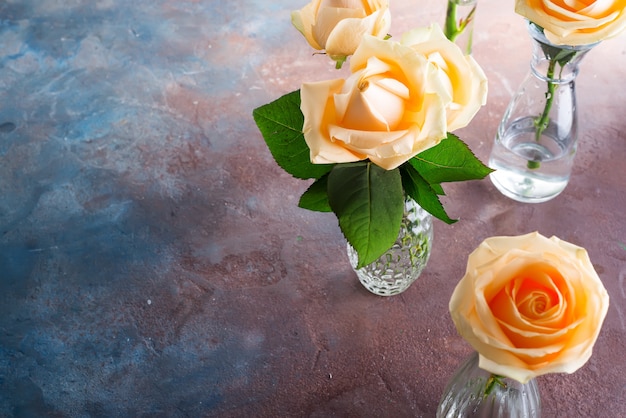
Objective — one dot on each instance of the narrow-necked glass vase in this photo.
(394, 271)
(474, 392)
(535, 145)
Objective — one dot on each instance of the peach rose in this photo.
(575, 22)
(529, 305)
(465, 81)
(394, 105)
(337, 26)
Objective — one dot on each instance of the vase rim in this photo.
(537, 33)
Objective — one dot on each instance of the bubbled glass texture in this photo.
(394, 271)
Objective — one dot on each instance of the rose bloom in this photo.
(575, 22)
(337, 26)
(465, 81)
(400, 100)
(529, 305)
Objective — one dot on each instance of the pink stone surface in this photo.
(153, 261)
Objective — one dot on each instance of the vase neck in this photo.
(555, 63)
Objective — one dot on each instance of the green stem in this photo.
(339, 62)
(493, 381)
(450, 29)
(455, 26)
(542, 122)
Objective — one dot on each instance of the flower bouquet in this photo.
(382, 133)
(529, 306)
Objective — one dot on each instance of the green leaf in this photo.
(280, 123)
(423, 193)
(438, 189)
(316, 196)
(450, 160)
(369, 203)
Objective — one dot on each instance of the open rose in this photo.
(394, 105)
(529, 305)
(464, 80)
(575, 22)
(337, 26)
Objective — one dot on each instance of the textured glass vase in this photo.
(394, 271)
(459, 24)
(535, 145)
(474, 392)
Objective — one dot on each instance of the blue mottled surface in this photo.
(153, 261)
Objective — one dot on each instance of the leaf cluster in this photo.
(367, 199)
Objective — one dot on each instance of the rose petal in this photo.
(464, 82)
(348, 33)
(525, 339)
(575, 23)
(539, 283)
(339, 30)
(371, 100)
(363, 140)
(315, 102)
(303, 21)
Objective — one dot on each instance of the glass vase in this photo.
(535, 145)
(474, 392)
(394, 271)
(459, 24)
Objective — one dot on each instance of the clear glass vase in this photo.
(474, 392)
(459, 24)
(402, 264)
(535, 145)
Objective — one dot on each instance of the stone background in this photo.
(153, 261)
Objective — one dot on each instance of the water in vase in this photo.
(527, 169)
